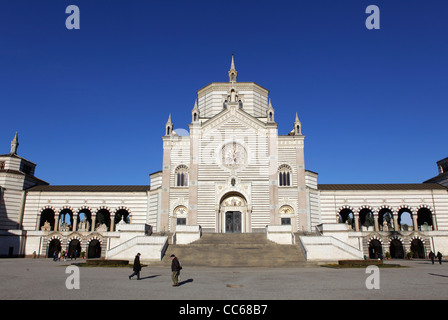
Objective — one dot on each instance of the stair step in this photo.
(235, 250)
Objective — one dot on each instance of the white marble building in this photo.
(233, 173)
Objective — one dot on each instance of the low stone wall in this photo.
(186, 234)
(280, 234)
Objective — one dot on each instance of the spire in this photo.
(270, 112)
(232, 65)
(169, 126)
(195, 112)
(297, 126)
(14, 144)
(232, 72)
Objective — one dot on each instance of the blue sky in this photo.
(90, 105)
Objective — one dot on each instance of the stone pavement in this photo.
(28, 279)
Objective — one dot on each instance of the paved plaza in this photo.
(29, 279)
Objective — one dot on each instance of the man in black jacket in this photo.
(137, 267)
(175, 268)
(439, 256)
(432, 256)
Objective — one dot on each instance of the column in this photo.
(396, 226)
(434, 222)
(356, 217)
(93, 223)
(56, 225)
(112, 223)
(75, 222)
(375, 221)
(414, 221)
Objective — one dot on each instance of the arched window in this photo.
(181, 175)
(347, 216)
(103, 220)
(284, 175)
(366, 218)
(405, 220)
(385, 219)
(47, 219)
(424, 219)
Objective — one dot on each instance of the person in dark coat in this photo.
(175, 268)
(439, 256)
(137, 267)
(432, 256)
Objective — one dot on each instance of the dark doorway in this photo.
(233, 222)
(418, 249)
(74, 249)
(375, 249)
(54, 246)
(396, 249)
(94, 249)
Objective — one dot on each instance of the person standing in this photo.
(439, 256)
(175, 269)
(137, 267)
(432, 256)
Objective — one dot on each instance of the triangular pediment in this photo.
(233, 118)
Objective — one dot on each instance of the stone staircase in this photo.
(235, 250)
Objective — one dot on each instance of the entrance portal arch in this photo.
(233, 214)
(94, 249)
(396, 249)
(54, 246)
(418, 248)
(375, 249)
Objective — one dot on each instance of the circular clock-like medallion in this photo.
(233, 155)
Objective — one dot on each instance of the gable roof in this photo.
(390, 186)
(89, 188)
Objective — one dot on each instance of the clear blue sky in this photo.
(90, 105)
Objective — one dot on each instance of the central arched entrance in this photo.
(233, 214)
(94, 249)
(233, 222)
(375, 249)
(396, 249)
(418, 248)
(54, 247)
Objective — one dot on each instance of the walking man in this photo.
(137, 267)
(439, 256)
(432, 256)
(175, 268)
